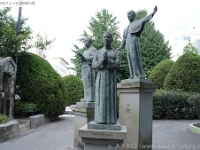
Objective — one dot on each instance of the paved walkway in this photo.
(58, 135)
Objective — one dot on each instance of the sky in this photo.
(66, 20)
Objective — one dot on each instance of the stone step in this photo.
(68, 110)
(24, 126)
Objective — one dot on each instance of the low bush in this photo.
(3, 118)
(73, 89)
(172, 105)
(25, 108)
(160, 71)
(184, 74)
(194, 102)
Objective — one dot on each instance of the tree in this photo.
(103, 21)
(42, 43)
(190, 48)
(154, 49)
(9, 41)
(184, 74)
(39, 83)
(73, 86)
(160, 71)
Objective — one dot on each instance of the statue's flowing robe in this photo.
(131, 36)
(88, 74)
(106, 86)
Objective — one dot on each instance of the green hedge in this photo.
(39, 83)
(160, 71)
(74, 89)
(173, 105)
(184, 74)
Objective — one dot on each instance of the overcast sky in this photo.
(65, 20)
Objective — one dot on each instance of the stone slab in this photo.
(94, 125)
(37, 120)
(83, 111)
(85, 104)
(131, 83)
(84, 132)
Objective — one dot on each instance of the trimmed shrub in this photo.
(160, 71)
(39, 83)
(74, 89)
(172, 105)
(184, 74)
(3, 118)
(194, 101)
(25, 108)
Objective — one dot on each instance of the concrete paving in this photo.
(58, 135)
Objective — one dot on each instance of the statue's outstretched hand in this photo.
(155, 9)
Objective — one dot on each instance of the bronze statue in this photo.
(88, 73)
(131, 40)
(106, 61)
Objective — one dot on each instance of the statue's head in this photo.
(88, 42)
(107, 38)
(131, 15)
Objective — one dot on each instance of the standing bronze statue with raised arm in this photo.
(131, 41)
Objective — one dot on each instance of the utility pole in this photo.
(18, 29)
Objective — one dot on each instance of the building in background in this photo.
(190, 33)
(60, 65)
(196, 44)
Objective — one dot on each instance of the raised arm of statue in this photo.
(150, 16)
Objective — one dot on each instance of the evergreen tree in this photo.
(102, 22)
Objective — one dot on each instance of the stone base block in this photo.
(84, 113)
(96, 139)
(37, 120)
(9, 130)
(93, 125)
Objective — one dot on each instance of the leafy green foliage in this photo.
(154, 49)
(25, 108)
(160, 71)
(172, 105)
(184, 74)
(102, 22)
(3, 118)
(39, 83)
(190, 48)
(10, 43)
(74, 89)
(194, 101)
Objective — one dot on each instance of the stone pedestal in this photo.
(84, 113)
(97, 139)
(135, 112)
